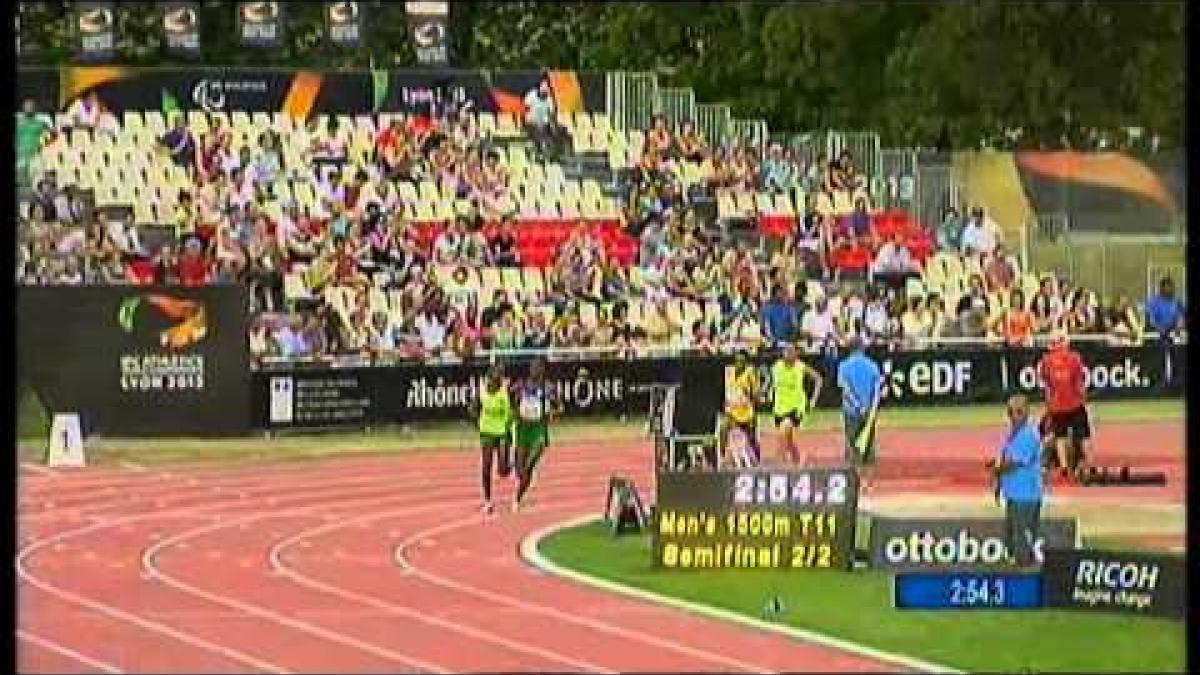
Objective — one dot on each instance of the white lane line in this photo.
(67, 652)
(530, 552)
(38, 469)
(280, 567)
(517, 603)
(132, 466)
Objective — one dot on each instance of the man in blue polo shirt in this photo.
(1165, 317)
(861, 383)
(1019, 472)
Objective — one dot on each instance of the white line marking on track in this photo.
(276, 560)
(132, 466)
(67, 652)
(530, 552)
(594, 624)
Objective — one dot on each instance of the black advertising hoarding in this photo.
(955, 544)
(414, 91)
(1112, 372)
(344, 23)
(181, 29)
(430, 31)
(300, 94)
(139, 360)
(413, 393)
(39, 85)
(27, 16)
(95, 31)
(795, 519)
(1146, 584)
(260, 24)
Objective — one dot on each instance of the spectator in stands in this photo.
(979, 235)
(1047, 307)
(812, 240)
(1165, 312)
(503, 247)
(1016, 323)
(853, 306)
(432, 327)
(690, 144)
(658, 137)
(449, 246)
(976, 297)
(876, 318)
(192, 266)
(180, 144)
(541, 120)
(33, 128)
(780, 321)
(858, 224)
(1081, 317)
(1123, 322)
(916, 323)
(998, 271)
(89, 113)
(949, 231)
(776, 170)
(894, 264)
(290, 339)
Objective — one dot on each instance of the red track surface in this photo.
(384, 565)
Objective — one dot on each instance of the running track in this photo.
(379, 564)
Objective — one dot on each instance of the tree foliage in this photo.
(914, 71)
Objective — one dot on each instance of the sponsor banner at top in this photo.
(260, 24)
(430, 29)
(959, 544)
(1121, 582)
(95, 31)
(181, 29)
(344, 23)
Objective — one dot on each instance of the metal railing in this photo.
(630, 99)
(713, 121)
(616, 352)
(676, 104)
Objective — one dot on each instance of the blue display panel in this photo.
(967, 591)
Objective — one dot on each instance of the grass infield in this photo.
(857, 607)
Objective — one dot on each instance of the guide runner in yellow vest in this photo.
(741, 398)
(495, 412)
(792, 402)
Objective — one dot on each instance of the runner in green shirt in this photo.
(495, 413)
(792, 402)
(31, 129)
(531, 434)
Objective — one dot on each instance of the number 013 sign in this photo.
(801, 518)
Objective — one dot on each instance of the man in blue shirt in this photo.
(1164, 316)
(862, 383)
(1019, 472)
(779, 320)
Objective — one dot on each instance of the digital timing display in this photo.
(802, 518)
(967, 591)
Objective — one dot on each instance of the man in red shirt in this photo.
(1061, 371)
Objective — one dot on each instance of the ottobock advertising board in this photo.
(138, 360)
(1120, 582)
(959, 544)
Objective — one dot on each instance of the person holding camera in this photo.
(1018, 474)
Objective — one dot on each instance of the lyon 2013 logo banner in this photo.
(344, 23)
(181, 29)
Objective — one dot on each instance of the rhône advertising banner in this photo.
(318, 397)
(958, 544)
(138, 360)
(1120, 582)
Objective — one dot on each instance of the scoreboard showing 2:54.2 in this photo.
(757, 518)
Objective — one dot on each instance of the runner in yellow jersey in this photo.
(792, 402)
(740, 401)
(495, 412)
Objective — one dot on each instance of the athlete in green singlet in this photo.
(531, 433)
(792, 402)
(494, 409)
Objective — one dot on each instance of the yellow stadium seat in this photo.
(764, 204)
(132, 119)
(600, 121)
(569, 207)
(783, 205)
(487, 123)
(506, 125)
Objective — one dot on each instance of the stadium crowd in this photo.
(374, 283)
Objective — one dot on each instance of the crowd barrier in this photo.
(315, 396)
